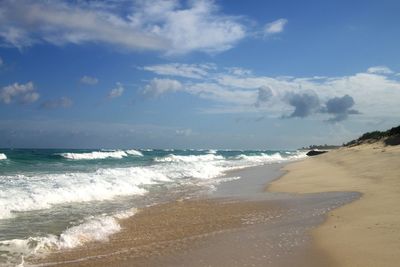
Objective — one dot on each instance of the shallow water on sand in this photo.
(57, 199)
(242, 225)
(268, 238)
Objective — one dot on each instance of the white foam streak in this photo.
(212, 151)
(134, 152)
(95, 228)
(118, 154)
(42, 191)
(95, 155)
(264, 158)
(190, 158)
(25, 193)
(3, 156)
(261, 158)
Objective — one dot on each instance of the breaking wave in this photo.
(28, 191)
(3, 156)
(94, 228)
(119, 154)
(24, 193)
(189, 158)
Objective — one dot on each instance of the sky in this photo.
(196, 74)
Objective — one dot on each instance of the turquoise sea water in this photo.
(57, 198)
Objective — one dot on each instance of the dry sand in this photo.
(367, 231)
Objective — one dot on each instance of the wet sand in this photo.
(365, 232)
(238, 225)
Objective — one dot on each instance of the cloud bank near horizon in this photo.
(283, 96)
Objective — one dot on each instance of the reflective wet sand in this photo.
(237, 225)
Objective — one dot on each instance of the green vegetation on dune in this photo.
(390, 137)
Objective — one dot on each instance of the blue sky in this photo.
(196, 74)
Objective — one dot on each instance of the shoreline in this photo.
(274, 226)
(365, 232)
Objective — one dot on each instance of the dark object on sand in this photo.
(315, 152)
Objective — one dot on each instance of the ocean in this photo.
(54, 199)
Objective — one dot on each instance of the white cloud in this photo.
(222, 94)
(380, 70)
(157, 87)
(239, 71)
(24, 23)
(276, 26)
(374, 95)
(89, 80)
(158, 25)
(194, 71)
(22, 93)
(62, 102)
(198, 27)
(116, 92)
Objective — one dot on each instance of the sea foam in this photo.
(134, 152)
(27, 191)
(42, 191)
(118, 154)
(94, 228)
(23, 192)
(3, 156)
(190, 158)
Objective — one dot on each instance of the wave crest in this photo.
(94, 228)
(189, 158)
(118, 154)
(3, 156)
(24, 193)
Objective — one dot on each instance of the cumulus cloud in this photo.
(199, 27)
(275, 27)
(167, 26)
(230, 92)
(63, 102)
(380, 70)
(340, 107)
(264, 94)
(22, 93)
(89, 80)
(116, 92)
(157, 87)
(194, 71)
(304, 103)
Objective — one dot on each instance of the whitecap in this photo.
(94, 228)
(134, 152)
(43, 191)
(95, 155)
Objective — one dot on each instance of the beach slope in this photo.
(367, 231)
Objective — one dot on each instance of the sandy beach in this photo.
(367, 231)
(335, 209)
(237, 225)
